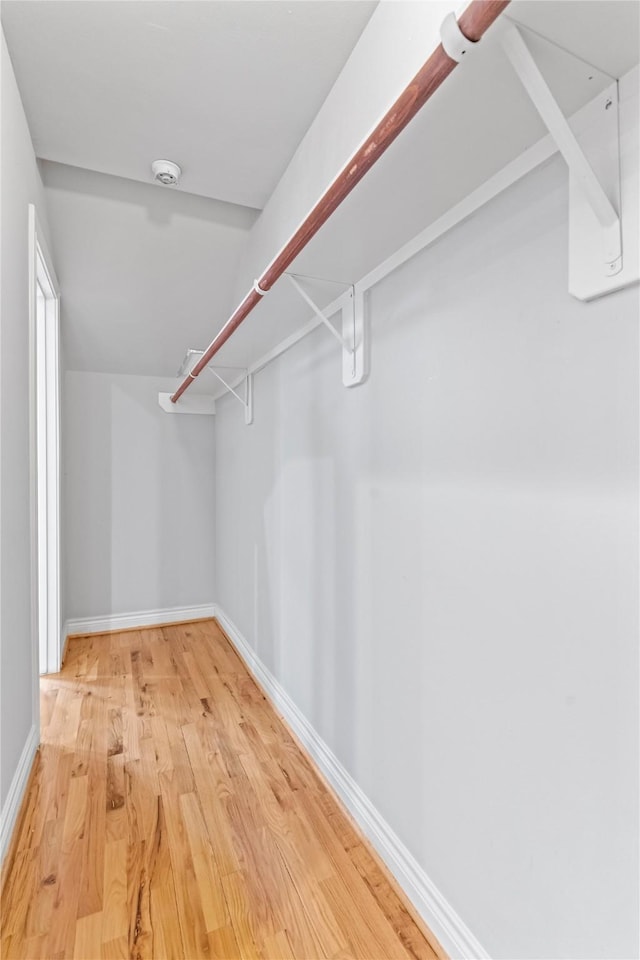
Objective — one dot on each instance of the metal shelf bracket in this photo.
(247, 400)
(601, 192)
(352, 337)
(206, 404)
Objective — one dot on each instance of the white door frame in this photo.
(44, 395)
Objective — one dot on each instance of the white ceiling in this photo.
(226, 89)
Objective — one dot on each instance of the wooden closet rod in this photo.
(473, 23)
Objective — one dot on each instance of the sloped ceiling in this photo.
(226, 89)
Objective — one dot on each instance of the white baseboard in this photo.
(18, 786)
(143, 618)
(453, 935)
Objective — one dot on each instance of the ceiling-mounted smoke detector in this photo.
(166, 172)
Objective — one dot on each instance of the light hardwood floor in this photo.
(170, 814)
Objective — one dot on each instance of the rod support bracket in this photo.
(594, 179)
(454, 43)
(352, 337)
(354, 330)
(612, 240)
(195, 403)
(246, 401)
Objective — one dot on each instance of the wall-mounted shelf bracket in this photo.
(194, 403)
(247, 400)
(352, 336)
(199, 403)
(594, 182)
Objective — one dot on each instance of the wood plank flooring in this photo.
(171, 814)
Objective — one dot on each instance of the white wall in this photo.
(441, 568)
(139, 501)
(21, 185)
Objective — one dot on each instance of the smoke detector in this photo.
(166, 172)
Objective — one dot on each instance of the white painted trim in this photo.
(143, 618)
(18, 786)
(32, 261)
(454, 936)
(47, 566)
